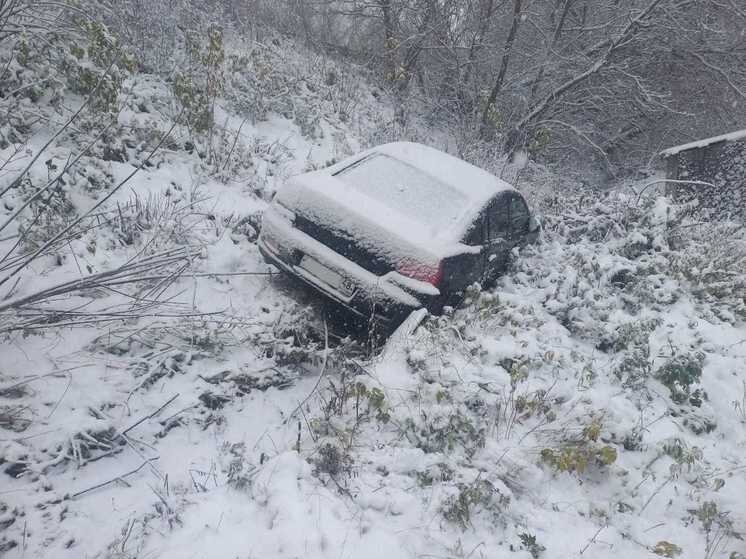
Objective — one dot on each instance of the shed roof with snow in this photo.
(731, 137)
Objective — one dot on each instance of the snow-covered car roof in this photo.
(413, 181)
(476, 184)
(395, 193)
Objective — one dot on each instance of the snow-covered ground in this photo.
(593, 404)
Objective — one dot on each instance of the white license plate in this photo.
(327, 275)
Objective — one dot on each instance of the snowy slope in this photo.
(521, 423)
(593, 404)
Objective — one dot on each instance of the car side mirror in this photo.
(534, 224)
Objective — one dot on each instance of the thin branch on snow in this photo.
(121, 477)
(98, 204)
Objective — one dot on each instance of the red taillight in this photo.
(430, 273)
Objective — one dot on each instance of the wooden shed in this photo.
(719, 161)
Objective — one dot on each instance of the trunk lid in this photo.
(360, 228)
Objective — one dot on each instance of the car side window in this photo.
(498, 219)
(519, 217)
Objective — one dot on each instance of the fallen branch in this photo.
(152, 415)
(112, 480)
(127, 273)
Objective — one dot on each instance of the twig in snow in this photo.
(235, 141)
(164, 422)
(318, 380)
(156, 412)
(593, 539)
(652, 496)
(127, 533)
(5, 389)
(54, 409)
(112, 480)
(198, 487)
(654, 526)
(219, 274)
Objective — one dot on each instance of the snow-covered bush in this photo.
(470, 498)
(580, 453)
(200, 82)
(274, 77)
(620, 256)
(678, 374)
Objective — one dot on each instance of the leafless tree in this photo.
(598, 80)
(593, 79)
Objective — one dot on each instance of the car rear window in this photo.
(405, 189)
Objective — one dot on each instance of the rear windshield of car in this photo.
(405, 189)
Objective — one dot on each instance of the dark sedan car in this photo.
(396, 228)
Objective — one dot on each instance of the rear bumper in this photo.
(282, 245)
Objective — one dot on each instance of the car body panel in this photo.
(356, 237)
(325, 197)
(285, 247)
